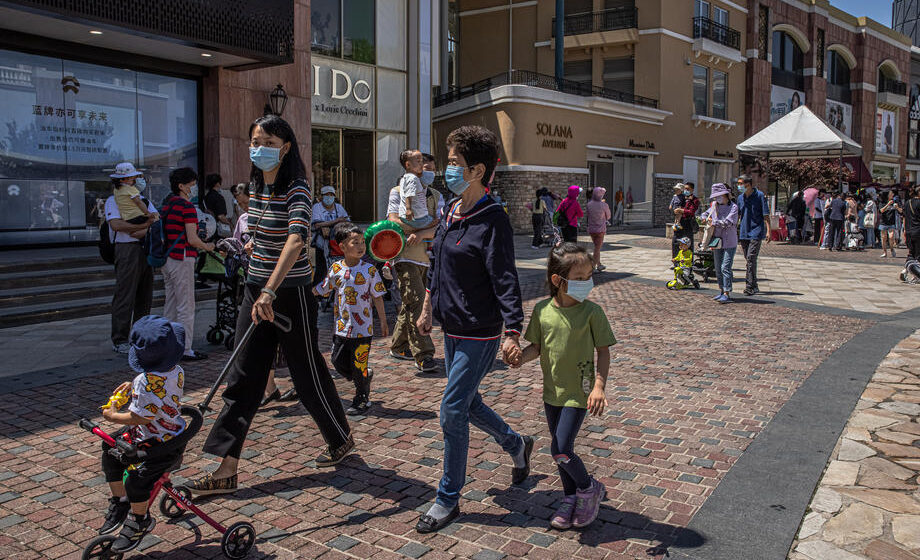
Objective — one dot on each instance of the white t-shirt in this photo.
(112, 213)
(411, 185)
(156, 396)
(355, 287)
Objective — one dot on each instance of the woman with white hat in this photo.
(723, 216)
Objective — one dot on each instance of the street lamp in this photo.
(277, 100)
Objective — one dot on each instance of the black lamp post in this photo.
(278, 99)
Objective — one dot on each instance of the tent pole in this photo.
(840, 171)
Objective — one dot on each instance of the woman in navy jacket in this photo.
(475, 296)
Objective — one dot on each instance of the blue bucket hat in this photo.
(157, 344)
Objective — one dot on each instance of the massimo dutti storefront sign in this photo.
(343, 94)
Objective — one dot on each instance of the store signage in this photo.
(784, 100)
(886, 131)
(342, 93)
(839, 115)
(555, 136)
(640, 144)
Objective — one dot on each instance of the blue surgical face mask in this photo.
(687, 193)
(579, 289)
(140, 183)
(265, 158)
(328, 199)
(427, 178)
(453, 176)
(193, 194)
(740, 187)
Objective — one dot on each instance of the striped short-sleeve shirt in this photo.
(281, 215)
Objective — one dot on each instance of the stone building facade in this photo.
(849, 70)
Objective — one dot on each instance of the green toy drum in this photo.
(385, 240)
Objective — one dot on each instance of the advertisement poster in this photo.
(886, 133)
(784, 100)
(840, 116)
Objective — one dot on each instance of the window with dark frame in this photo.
(700, 90)
(344, 29)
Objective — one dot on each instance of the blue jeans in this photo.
(723, 261)
(467, 362)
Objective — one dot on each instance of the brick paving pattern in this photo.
(867, 504)
(688, 393)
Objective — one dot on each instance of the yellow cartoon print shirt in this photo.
(355, 289)
(156, 396)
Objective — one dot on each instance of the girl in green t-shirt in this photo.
(565, 331)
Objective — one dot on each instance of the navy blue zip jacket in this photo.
(473, 281)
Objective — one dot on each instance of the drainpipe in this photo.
(560, 39)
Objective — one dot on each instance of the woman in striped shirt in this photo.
(278, 280)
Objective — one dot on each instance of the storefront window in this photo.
(326, 27)
(578, 71)
(719, 87)
(63, 127)
(700, 90)
(344, 28)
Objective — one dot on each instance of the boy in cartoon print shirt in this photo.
(356, 284)
(150, 418)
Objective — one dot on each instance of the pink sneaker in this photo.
(588, 503)
(563, 517)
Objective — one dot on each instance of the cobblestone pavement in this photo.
(688, 393)
(868, 504)
(859, 286)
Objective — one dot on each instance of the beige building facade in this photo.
(654, 93)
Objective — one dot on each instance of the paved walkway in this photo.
(696, 406)
(868, 504)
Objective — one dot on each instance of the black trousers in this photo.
(913, 246)
(537, 221)
(570, 234)
(249, 375)
(140, 480)
(349, 358)
(835, 237)
(819, 230)
(133, 289)
(751, 249)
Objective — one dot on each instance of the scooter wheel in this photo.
(228, 344)
(218, 337)
(696, 284)
(170, 508)
(100, 548)
(212, 336)
(238, 540)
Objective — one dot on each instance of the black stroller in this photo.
(704, 263)
(229, 272)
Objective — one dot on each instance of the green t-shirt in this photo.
(567, 337)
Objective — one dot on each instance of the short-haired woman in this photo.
(278, 279)
(475, 295)
(180, 223)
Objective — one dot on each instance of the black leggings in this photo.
(537, 222)
(564, 424)
(140, 480)
(249, 375)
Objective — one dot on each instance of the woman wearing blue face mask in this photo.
(278, 279)
(326, 215)
(475, 295)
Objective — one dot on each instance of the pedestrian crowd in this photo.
(457, 269)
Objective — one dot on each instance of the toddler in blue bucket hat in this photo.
(150, 417)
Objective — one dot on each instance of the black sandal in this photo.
(427, 524)
(273, 396)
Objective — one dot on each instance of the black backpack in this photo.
(106, 247)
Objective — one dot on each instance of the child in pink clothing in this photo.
(598, 216)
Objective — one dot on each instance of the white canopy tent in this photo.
(800, 134)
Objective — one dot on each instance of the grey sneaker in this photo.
(121, 348)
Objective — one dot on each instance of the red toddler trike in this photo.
(237, 539)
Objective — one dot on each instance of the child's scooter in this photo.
(237, 539)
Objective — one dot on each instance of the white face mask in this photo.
(579, 289)
(328, 199)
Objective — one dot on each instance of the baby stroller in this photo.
(852, 239)
(704, 263)
(229, 272)
(237, 539)
(911, 272)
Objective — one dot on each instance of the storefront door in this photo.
(345, 160)
(629, 173)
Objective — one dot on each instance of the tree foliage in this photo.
(798, 174)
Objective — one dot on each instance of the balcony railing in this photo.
(527, 78)
(841, 93)
(890, 85)
(705, 28)
(788, 78)
(623, 17)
